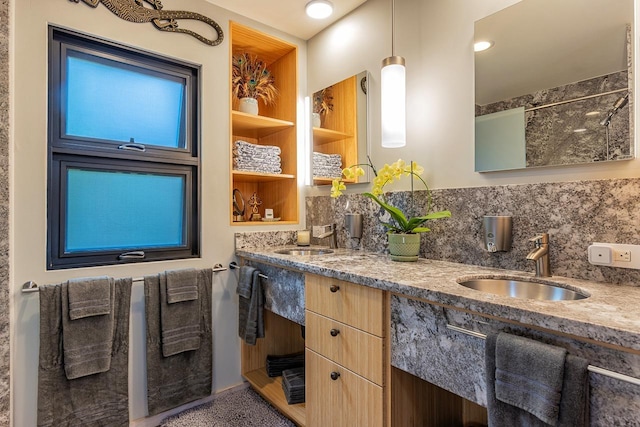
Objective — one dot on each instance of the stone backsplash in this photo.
(575, 214)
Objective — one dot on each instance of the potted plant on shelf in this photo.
(250, 81)
(403, 231)
(322, 104)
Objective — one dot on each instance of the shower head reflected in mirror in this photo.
(620, 103)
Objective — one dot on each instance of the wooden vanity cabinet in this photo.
(274, 125)
(346, 354)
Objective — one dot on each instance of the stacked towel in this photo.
(251, 305)
(256, 158)
(87, 325)
(327, 165)
(186, 376)
(92, 400)
(293, 385)
(180, 321)
(277, 364)
(534, 384)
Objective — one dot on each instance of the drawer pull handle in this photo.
(334, 332)
(334, 288)
(335, 375)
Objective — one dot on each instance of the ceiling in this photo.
(288, 15)
(541, 44)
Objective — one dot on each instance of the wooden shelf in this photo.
(323, 136)
(271, 390)
(248, 176)
(263, 223)
(255, 126)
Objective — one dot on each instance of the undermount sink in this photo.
(523, 288)
(304, 251)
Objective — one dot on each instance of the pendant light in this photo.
(392, 97)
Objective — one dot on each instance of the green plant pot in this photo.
(404, 247)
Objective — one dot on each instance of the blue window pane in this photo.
(107, 101)
(119, 210)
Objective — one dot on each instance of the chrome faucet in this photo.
(540, 254)
(333, 240)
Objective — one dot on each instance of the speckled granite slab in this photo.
(423, 345)
(575, 214)
(610, 315)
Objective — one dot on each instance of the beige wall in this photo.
(28, 243)
(436, 38)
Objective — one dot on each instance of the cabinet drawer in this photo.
(352, 348)
(356, 305)
(347, 400)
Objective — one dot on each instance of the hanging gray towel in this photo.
(180, 322)
(181, 285)
(87, 340)
(90, 297)
(573, 403)
(183, 377)
(95, 400)
(251, 305)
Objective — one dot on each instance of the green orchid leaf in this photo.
(395, 213)
(421, 230)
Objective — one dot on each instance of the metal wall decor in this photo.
(164, 20)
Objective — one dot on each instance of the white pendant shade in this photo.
(393, 103)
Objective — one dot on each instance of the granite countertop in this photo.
(611, 313)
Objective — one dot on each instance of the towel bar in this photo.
(233, 265)
(590, 368)
(31, 286)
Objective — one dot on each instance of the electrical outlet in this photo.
(615, 255)
(622, 255)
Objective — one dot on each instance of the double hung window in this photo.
(123, 154)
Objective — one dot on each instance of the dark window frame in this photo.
(73, 151)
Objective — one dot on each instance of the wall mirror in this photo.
(340, 129)
(556, 86)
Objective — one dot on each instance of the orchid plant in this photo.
(386, 175)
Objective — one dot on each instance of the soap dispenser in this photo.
(497, 233)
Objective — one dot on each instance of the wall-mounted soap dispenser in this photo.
(497, 233)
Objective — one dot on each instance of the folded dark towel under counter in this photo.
(531, 384)
(293, 385)
(87, 339)
(278, 363)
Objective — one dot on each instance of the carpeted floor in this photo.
(242, 408)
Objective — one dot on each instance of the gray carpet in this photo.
(242, 408)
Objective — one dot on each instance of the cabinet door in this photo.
(356, 305)
(347, 400)
(352, 348)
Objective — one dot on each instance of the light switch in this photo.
(599, 255)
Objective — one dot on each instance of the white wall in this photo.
(436, 38)
(29, 183)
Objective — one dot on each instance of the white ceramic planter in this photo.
(315, 120)
(248, 105)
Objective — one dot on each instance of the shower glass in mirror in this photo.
(571, 76)
(340, 129)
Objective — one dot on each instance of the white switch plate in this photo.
(615, 255)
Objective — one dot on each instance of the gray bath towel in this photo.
(90, 297)
(180, 322)
(251, 305)
(181, 285)
(95, 400)
(87, 341)
(573, 408)
(187, 376)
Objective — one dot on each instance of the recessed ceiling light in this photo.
(482, 45)
(319, 9)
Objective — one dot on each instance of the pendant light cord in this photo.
(393, 26)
